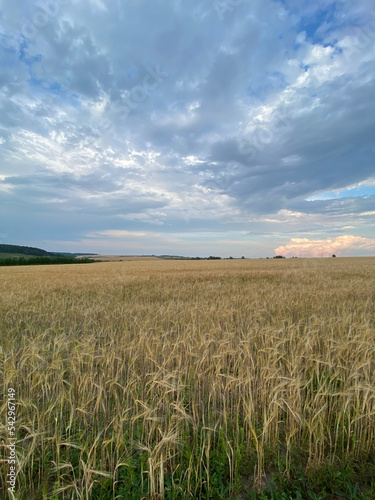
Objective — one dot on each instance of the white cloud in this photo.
(305, 247)
(116, 233)
(291, 160)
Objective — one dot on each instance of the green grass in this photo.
(340, 482)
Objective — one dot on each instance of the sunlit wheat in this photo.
(166, 374)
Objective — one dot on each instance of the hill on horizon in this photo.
(9, 251)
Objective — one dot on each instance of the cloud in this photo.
(118, 234)
(117, 116)
(304, 247)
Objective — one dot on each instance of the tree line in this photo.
(21, 261)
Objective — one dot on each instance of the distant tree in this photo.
(242, 257)
(22, 261)
(333, 255)
(231, 257)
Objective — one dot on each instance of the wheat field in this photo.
(185, 379)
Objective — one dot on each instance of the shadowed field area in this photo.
(182, 379)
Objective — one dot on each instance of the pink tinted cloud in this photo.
(304, 247)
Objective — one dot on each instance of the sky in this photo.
(188, 127)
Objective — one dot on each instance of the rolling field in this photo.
(118, 258)
(156, 379)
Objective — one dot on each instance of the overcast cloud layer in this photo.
(193, 127)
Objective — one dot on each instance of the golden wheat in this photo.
(176, 363)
